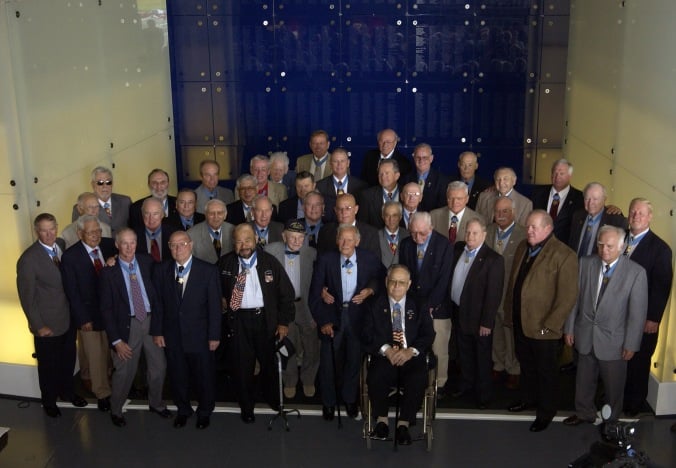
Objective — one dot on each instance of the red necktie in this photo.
(453, 230)
(155, 250)
(554, 208)
(98, 266)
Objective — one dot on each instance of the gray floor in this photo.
(86, 438)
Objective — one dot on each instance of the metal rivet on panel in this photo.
(265, 7)
(529, 141)
(415, 6)
(398, 22)
(218, 73)
(282, 74)
(349, 89)
(269, 138)
(265, 23)
(332, 6)
(478, 140)
(283, 89)
(204, 90)
(218, 90)
(414, 90)
(200, 23)
(35, 179)
(467, 6)
(215, 23)
(547, 91)
(399, 90)
(415, 22)
(15, 206)
(12, 183)
(206, 137)
(281, 6)
(463, 140)
(221, 138)
(267, 89)
(18, 14)
(348, 139)
(545, 140)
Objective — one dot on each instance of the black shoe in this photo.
(482, 405)
(104, 404)
(381, 431)
(441, 393)
(52, 411)
(165, 413)
(327, 412)
(78, 401)
(403, 436)
(569, 368)
(119, 421)
(539, 425)
(247, 416)
(203, 422)
(352, 410)
(180, 421)
(575, 421)
(519, 407)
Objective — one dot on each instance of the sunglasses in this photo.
(104, 182)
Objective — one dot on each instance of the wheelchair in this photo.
(429, 403)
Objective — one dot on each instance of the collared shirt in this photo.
(602, 273)
(502, 236)
(460, 273)
(348, 276)
(394, 192)
(389, 155)
(562, 197)
(253, 294)
(98, 253)
(299, 209)
(318, 163)
(594, 223)
(633, 241)
(292, 266)
(457, 215)
(337, 183)
(126, 271)
(185, 273)
(53, 250)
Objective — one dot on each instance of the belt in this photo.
(298, 299)
(345, 305)
(134, 316)
(255, 310)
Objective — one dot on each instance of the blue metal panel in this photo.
(194, 111)
(190, 47)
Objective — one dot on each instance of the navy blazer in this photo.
(434, 191)
(235, 214)
(174, 219)
(190, 321)
(81, 282)
(288, 209)
(136, 216)
(654, 255)
(482, 292)
(430, 285)
(371, 206)
(328, 191)
(369, 166)
(370, 274)
(562, 224)
(114, 297)
(580, 220)
(369, 238)
(167, 230)
(377, 330)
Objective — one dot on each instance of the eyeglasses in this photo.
(176, 245)
(104, 182)
(397, 283)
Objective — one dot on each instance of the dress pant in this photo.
(504, 356)
(249, 344)
(539, 372)
(125, 370)
(56, 363)
(613, 374)
(304, 339)
(95, 347)
(192, 371)
(440, 347)
(82, 358)
(638, 373)
(476, 363)
(347, 349)
(383, 376)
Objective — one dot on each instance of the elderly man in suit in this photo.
(265, 228)
(292, 207)
(430, 181)
(186, 215)
(313, 217)
(540, 296)
(398, 335)
(339, 182)
(346, 210)
(451, 221)
(280, 173)
(187, 324)
(87, 204)
(606, 324)
(259, 302)
(478, 275)
(127, 302)
(503, 236)
(43, 299)
(259, 167)
(81, 265)
(387, 149)
(411, 196)
(211, 239)
(241, 210)
(209, 188)
(298, 261)
(158, 183)
(392, 234)
(648, 250)
(505, 179)
(343, 283)
(114, 207)
(372, 199)
(428, 256)
(468, 163)
(153, 235)
(316, 163)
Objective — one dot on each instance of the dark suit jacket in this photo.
(235, 214)
(482, 292)
(371, 205)
(653, 254)
(114, 297)
(434, 191)
(370, 274)
(119, 206)
(40, 286)
(288, 209)
(369, 166)
(378, 326)
(275, 230)
(430, 285)
(328, 190)
(478, 186)
(369, 238)
(189, 322)
(81, 282)
(278, 292)
(136, 217)
(142, 245)
(578, 224)
(175, 220)
(573, 202)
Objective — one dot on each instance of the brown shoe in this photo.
(497, 376)
(512, 382)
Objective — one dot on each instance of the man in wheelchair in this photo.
(398, 336)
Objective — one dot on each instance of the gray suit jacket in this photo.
(41, 293)
(515, 238)
(222, 193)
(617, 323)
(522, 206)
(307, 257)
(119, 207)
(388, 258)
(203, 243)
(441, 221)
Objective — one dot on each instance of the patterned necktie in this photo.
(554, 208)
(584, 245)
(238, 290)
(106, 207)
(98, 266)
(389, 195)
(393, 243)
(55, 256)
(397, 328)
(136, 295)
(604, 284)
(339, 188)
(453, 230)
(217, 242)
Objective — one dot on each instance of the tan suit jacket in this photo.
(508, 250)
(304, 163)
(277, 193)
(441, 221)
(522, 206)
